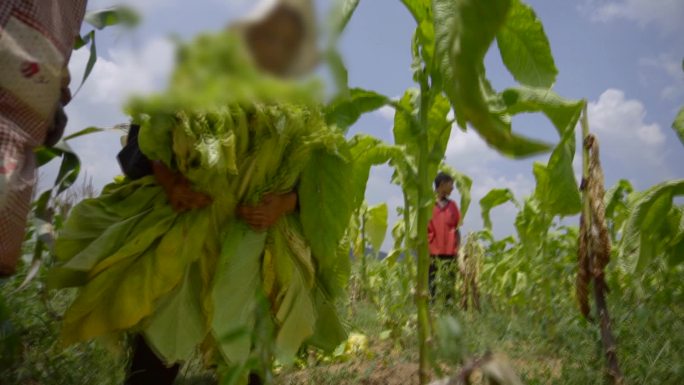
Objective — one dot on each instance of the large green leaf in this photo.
(376, 225)
(678, 125)
(494, 198)
(563, 113)
(125, 288)
(297, 318)
(439, 131)
(464, 31)
(177, 327)
(525, 49)
(557, 190)
(347, 109)
(642, 236)
(405, 129)
(329, 331)
(366, 152)
(236, 285)
(326, 202)
(420, 9)
(616, 206)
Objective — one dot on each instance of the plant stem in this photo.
(599, 283)
(424, 196)
(407, 238)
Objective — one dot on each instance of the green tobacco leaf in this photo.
(342, 13)
(678, 125)
(119, 15)
(339, 71)
(563, 113)
(366, 152)
(85, 131)
(525, 49)
(297, 318)
(177, 327)
(92, 58)
(557, 190)
(124, 289)
(237, 280)
(439, 131)
(464, 31)
(376, 225)
(326, 202)
(346, 110)
(69, 169)
(648, 212)
(329, 332)
(420, 9)
(494, 198)
(616, 207)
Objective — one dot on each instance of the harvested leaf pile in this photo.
(200, 278)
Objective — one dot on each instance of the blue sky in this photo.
(623, 56)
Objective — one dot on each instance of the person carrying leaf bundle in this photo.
(214, 242)
(443, 233)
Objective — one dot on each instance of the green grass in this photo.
(547, 341)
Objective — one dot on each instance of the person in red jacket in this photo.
(443, 234)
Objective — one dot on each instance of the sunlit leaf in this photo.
(464, 31)
(375, 225)
(678, 125)
(648, 213)
(347, 109)
(525, 49)
(494, 198)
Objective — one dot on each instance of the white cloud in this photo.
(620, 120)
(665, 14)
(126, 72)
(666, 71)
(628, 142)
(386, 112)
(467, 152)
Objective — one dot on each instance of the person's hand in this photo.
(266, 213)
(183, 198)
(178, 190)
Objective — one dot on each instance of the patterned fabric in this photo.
(36, 39)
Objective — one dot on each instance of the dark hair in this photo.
(442, 177)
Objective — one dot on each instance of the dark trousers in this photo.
(146, 368)
(449, 263)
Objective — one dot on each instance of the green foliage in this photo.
(654, 226)
(376, 225)
(617, 210)
(464, 31)
(678, 125)
(494, 197)
(525, 49)
(348, 108)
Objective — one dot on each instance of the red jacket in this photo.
(442, 229)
